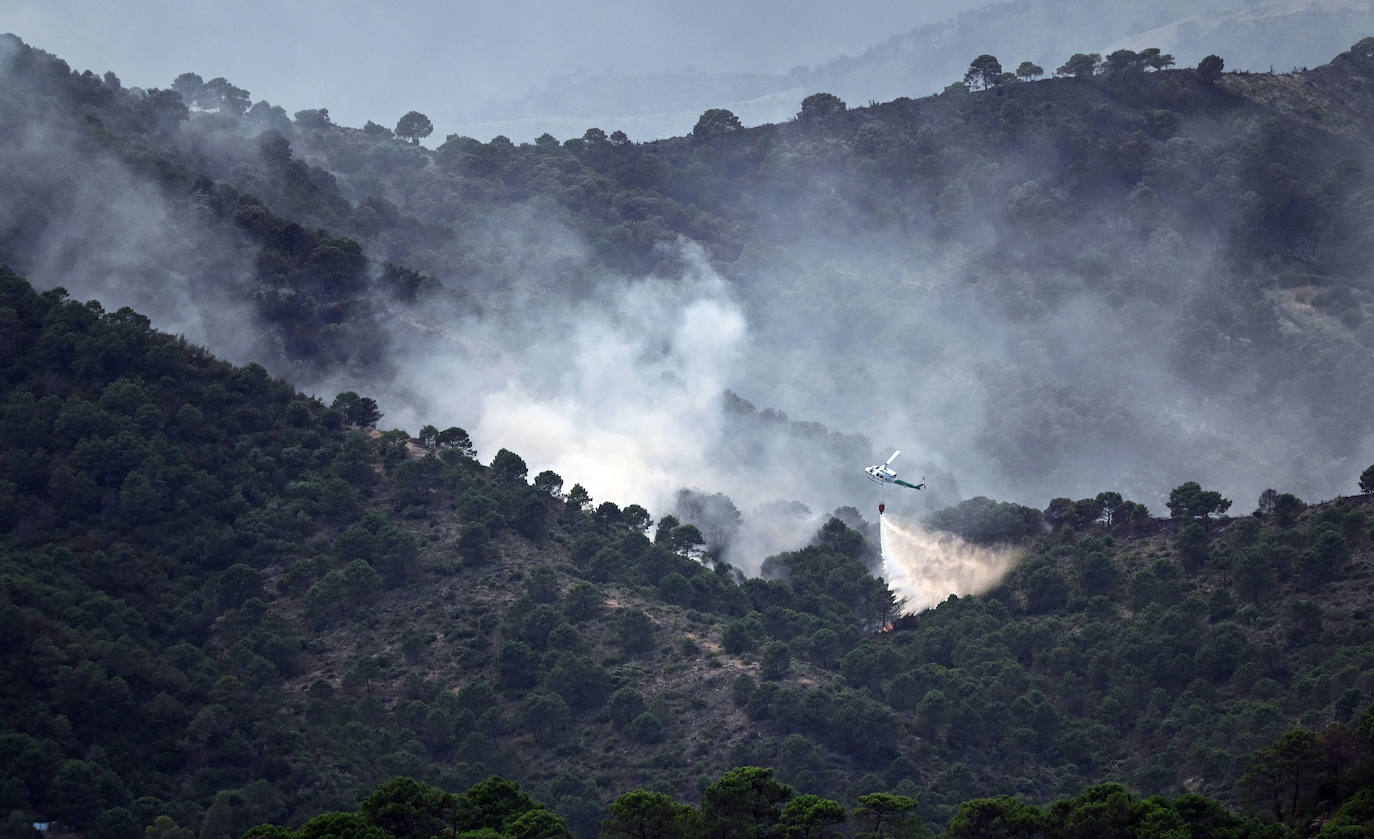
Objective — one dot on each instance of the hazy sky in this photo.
(377, 60)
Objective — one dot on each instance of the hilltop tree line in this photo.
(985, 72)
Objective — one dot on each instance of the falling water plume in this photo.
(927, 566)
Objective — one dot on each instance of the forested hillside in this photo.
(229, 603)
(226, 603)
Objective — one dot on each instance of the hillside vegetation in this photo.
(226, 603)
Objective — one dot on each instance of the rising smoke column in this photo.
(927, 566)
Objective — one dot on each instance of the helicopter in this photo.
(882, 473)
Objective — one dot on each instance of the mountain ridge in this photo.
(924, 60)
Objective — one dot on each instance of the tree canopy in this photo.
(714, 123)
(1190, 501)
(414, 126)
(985, 71)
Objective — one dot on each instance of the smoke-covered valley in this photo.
(1037, 291)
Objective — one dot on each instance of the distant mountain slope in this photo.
(1275, 34)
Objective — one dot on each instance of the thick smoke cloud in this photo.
(624, 391)
(638, 370)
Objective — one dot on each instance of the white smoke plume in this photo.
(640, 368)
(927, 566)
(623, 391)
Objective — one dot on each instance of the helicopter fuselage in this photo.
(880, 474)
